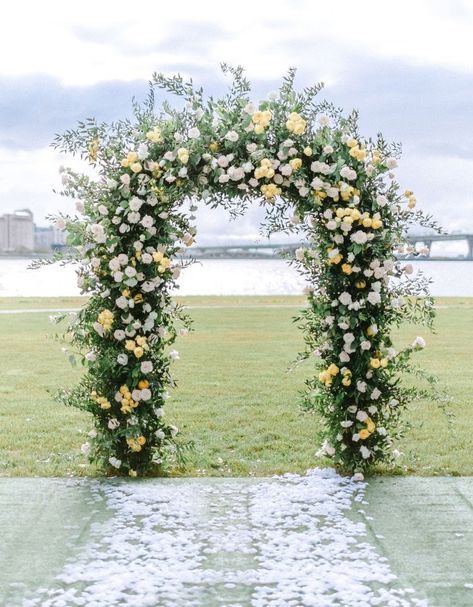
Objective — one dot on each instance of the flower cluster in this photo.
(316, 176)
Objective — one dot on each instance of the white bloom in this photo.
(135, 204)
(130, 271)
(142, 151)
(331, 225)
(90, 356)
(121, 302)
(365, 344)
(365, 452)
(327, 449)
(98, 232)
(327, 149)
(136, 395)
(173, 430)
(133, 217)
(122, 359)
(393, 402)
(146, 366)
(174, 354)
(348, 338)
(381, 200)
(224, 178)
(169, 156)
(358, 477)
(374, 298)
(113, 423)
(300, 254)
(147, 221)
(361, 416)
(223, 161)
(344, 357)
(114, 264)
(125, 179)
(391, 163)
(346, 424)
(146, 258)
(159, 434)
(123, 259)
(194, 133)
(232, 136)
(119, 334)
(145, 394)
(345, 298)
(113, 461)
(85, 448)
(323, 120)
(375, 394)
(251, 147)
(361, 386)
(408, 268)
(419, 343)
(98, 327)
(359, 237)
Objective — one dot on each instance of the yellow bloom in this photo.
(261, 120)
(384, 363)
(346, 381)
(346, 268)
(295, 123)
(270, 190)
(367, 222)
(154, 136)
(360, 284)
(295, 163)
(143, 383)
(93, 149)
(141, 440)
(130, 344)
(132, 473)
(376, 224)
(183, 155)
(375, 363)
(131, 157)
(307, 151)
(352, 142)
(333, 369)
(138, 352)
(364, 434)
(136, 167)
(142, 340)
(370, 425)
(213, 147)
(371, 330)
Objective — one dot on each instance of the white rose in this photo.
(122, 359)
(121, 302)
(142, 151)
(323, 120)
(365, 344)
(114, 264)
(232, 136)
(135, 204)
(300, 254)
(419, 343)
(147, 221)
(174, 354)
(146, 366)
(359, 237)
(375, 394)
(344, 357)
(361, 386)
(374, 298)
(365, 452)
(133, 217)
(145, 394)
(90, 356)
(358, 477)
(102, 209)
(113, 423)
(381, 200)
(119, 334)
(118, 276)
(361, 416)
(113, 461)
(194, 133)
(345, 298)
(85, 448)
(391, 163)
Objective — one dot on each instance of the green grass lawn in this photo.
(235, 399)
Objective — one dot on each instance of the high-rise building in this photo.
(17, 232)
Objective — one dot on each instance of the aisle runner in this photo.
(276, 542)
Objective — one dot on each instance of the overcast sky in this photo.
(406, 65)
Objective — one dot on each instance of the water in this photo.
(220, 277)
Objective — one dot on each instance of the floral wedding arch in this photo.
(317, 178)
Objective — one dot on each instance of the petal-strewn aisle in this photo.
(286, 541)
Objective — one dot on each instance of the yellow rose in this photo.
(130, 344)
(346, 381)
(295, 163)
(154, 136)
(307, 151)
(360, 284)
(355, 214)
(346, 268)
(138, 352)
(136, 167)
(143, 383)
(364, 434)
(132, 473)
(371, 330)
(183, 155)
(270, 190)
(370, 425)
(376, 224)
(367, 222)
(213, 147)
(141, 440)
(333, 369)
(375, 363)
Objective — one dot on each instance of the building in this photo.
(47, 239)
(17, 232)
